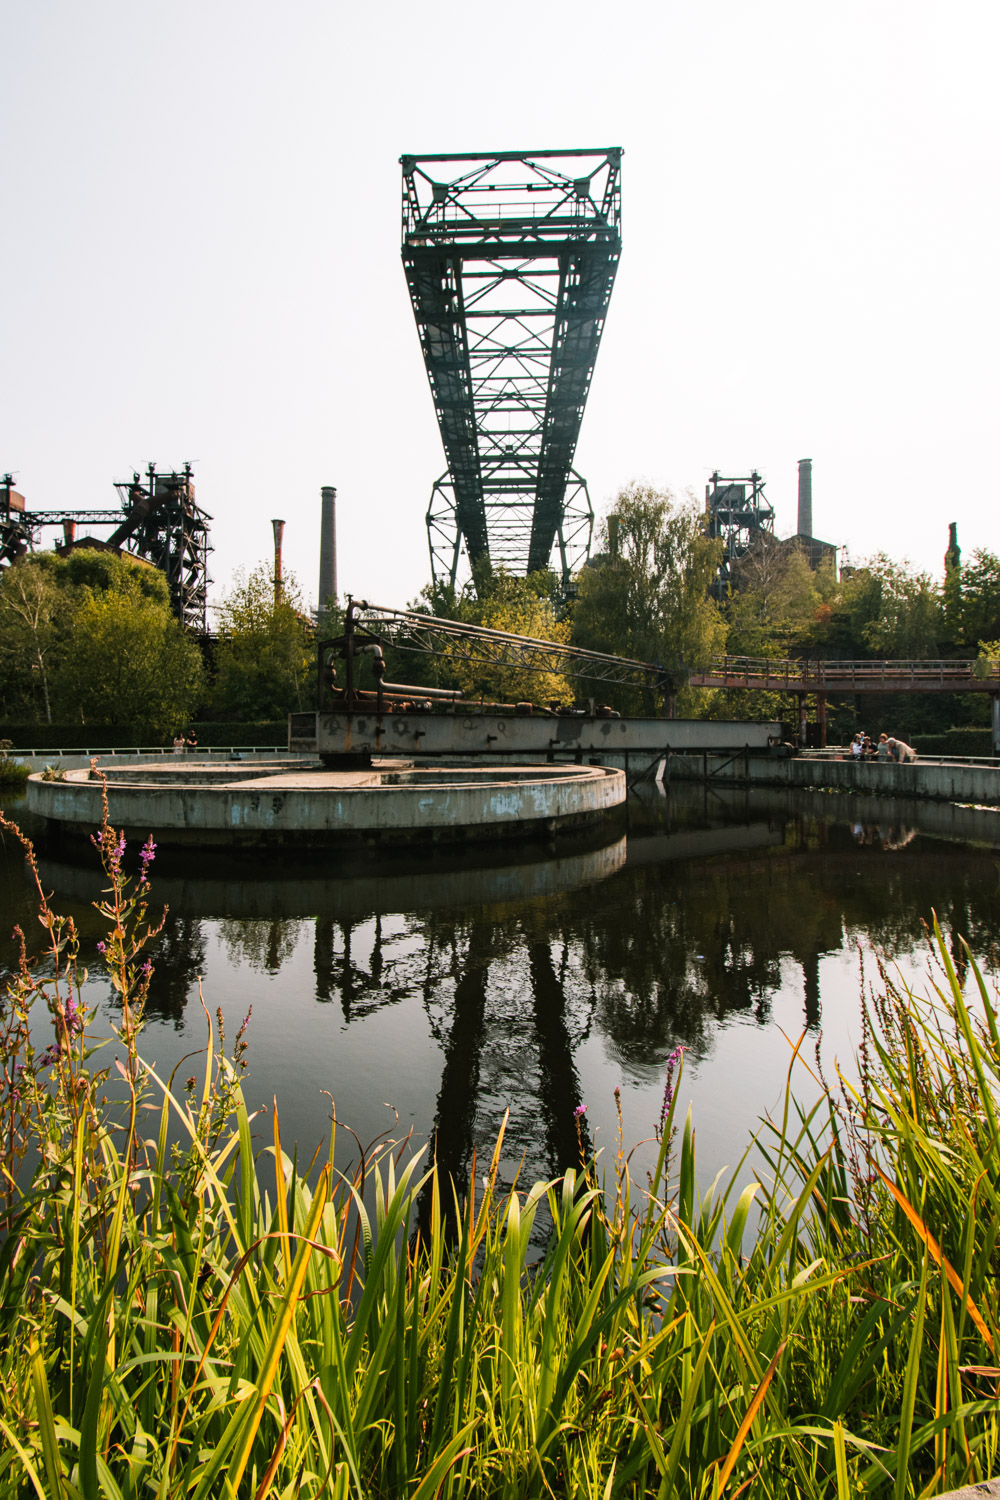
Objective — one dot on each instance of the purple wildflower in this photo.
(146, 969)
(673, 1062)
(579, 1112)
(102, 949)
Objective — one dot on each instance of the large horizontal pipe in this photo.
(421, 692)
(369, 695)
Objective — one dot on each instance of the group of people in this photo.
(888, 748)
(184, 742)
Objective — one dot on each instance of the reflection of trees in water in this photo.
(366, 965)
(178, 959)
(681, 958)
(261, 945)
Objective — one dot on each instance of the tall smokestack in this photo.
(69, 532)
(805, 497)
(327, 545)
(279, 531)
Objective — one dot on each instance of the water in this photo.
(432, 995)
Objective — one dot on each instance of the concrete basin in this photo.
(396, 802)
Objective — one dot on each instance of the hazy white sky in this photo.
(201, 254)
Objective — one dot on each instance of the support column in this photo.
(996, 723)
(821, 717)
(803, 725)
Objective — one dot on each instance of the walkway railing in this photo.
(795, 676)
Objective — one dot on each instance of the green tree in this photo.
(775, 609)
(519, 606)
(30, 637)
(48, 604)
(894, 611)
(978, 601)
(647, 597)
(129, 663)
(264, 664)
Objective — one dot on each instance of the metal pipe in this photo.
(422, 692)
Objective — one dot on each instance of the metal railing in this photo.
(971, 675)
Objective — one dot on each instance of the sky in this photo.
(201, 256)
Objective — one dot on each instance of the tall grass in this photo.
(181, 1315)
(12, 773)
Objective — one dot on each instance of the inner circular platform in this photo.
(299, 805)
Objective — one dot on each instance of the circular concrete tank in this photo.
(233, 805)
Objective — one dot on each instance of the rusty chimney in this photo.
(69, 532)
(279, 531)
(805, 497)
(327, 545)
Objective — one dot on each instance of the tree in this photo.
(978, 601)
(52, 612)
(129, 663)
(648, 596)
(264, 659)
(519, 606)
(894, 611)
(29, 637)
(776, 606)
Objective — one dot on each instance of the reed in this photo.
(183, 1316)
(12, 773)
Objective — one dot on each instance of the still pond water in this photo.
(445, 992)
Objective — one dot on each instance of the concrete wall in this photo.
(309, 810)
(503, 734)
(937, 780)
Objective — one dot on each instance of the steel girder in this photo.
(510, 258)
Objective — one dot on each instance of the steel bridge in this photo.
(510, 258)
(157, 520)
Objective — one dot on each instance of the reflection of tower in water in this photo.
(508, 1030)
(497, 1001)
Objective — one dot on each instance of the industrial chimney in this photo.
(805, 497)
(279, 531)
(327, 545)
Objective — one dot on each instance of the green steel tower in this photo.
(510, 258)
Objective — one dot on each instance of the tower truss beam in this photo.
(510, 259)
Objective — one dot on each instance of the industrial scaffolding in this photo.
(510, 258)
(157, 520)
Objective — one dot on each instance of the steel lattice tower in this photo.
(510, 258)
